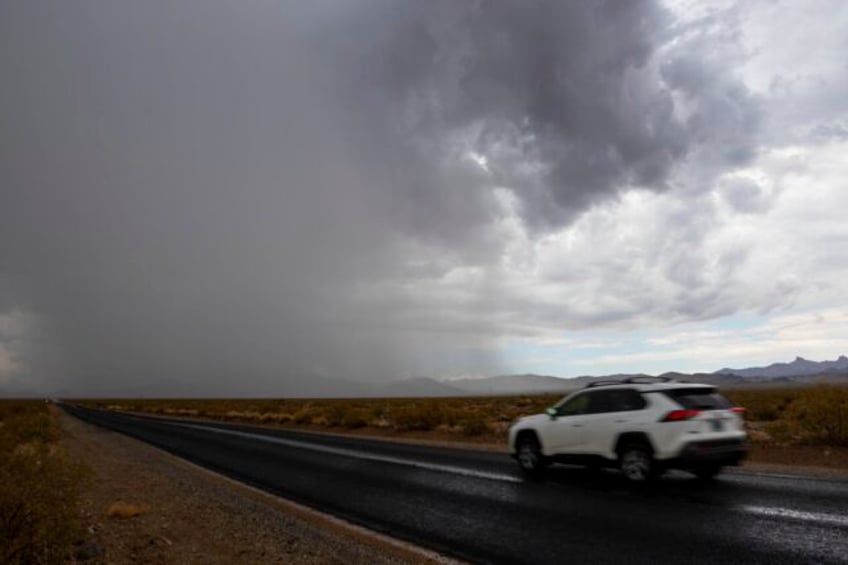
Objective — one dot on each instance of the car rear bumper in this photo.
(714, 452)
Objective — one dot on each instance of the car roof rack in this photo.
(647, 379)
(603, 383)
(635, 380)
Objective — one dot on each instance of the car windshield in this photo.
(575, 405)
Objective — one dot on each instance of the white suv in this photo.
(644, 425)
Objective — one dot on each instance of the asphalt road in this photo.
(477, 506)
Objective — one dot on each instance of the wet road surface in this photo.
(477, 506)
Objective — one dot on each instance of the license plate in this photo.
(716, 425)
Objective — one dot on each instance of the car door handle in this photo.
(621, 421)
(576, 425)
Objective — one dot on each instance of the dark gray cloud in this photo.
(745, 196)
(721, 116)
(214, 192)
(828, 132)
(564, 100)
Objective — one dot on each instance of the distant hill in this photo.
(541, 384)
(313, 386)
(421, 386)
(719, 380)
(797, 368)
(776, 375)
(515, 384)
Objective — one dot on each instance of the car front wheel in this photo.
(529, 455)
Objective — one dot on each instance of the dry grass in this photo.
(796, 416)
(483, 419)
(39, 487)
(124, 510)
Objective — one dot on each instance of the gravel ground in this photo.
(190, 515)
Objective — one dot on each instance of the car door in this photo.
(566, 429)
(611, 412)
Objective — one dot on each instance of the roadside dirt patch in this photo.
(145, 506)
(806, 460)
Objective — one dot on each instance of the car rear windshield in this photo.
(698, 398)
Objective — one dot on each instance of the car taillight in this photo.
(680, 415)
(738, 410)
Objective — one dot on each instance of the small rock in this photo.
(161, 541)
(89, 552)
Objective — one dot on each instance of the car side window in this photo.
(577, 405)
(601, 401)
(623, 400)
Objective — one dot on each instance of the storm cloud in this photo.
(226, 198)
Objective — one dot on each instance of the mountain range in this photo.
(800, 372)
(798, 367)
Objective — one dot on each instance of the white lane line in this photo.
(741, 475)
(775, 512)
(360, 454)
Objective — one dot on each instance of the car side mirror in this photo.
(552, 412)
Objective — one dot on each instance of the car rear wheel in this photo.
(530, 456)
(637, 463)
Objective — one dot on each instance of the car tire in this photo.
(637, 463)
(707, 472)
(529, 455)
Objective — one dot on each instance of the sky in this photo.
(238, 197)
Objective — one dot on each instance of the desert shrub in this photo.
(765, 404)
(274, 418)
(779, 432)
(765, 413)
(474, 427)
(355, 418)
(417, 417)
(380, 419)
(303, 417)
(27, 422)
(39, 487)
(320, 421)
(448, 415)
(821, 415)
(285, 418)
